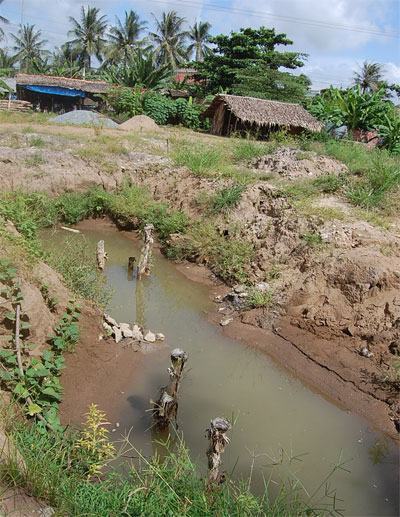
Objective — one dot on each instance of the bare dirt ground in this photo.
(335, 281)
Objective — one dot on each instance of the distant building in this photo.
(186, 74)
(231, 113)
(59, 94)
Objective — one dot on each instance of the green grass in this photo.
(54, 473)
(228, 256)
(312, 239)
(226, 198)
(37, 141)
(259, 298)
(200, 159)
(245, 150)
(35, 160)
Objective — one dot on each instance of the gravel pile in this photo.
(83, 117)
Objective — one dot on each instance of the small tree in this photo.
(199, 36)
(28, 46)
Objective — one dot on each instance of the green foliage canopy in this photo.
(248, 48)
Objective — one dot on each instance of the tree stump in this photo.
(131, 268)
(145, 255)
(101, 255)
(218, 440)
(165, 409)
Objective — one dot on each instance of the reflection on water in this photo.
(289, 432)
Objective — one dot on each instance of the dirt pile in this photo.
(140, 123)
(295, 164)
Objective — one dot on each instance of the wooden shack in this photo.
(237, 114)
(59, 94)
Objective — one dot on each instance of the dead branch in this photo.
(218, 440)
(145, 254)
(101, 256)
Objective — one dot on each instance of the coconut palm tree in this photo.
(124, 36)
(199, 35)
(88, 34)
(28, 45)
(2, 20)
(169, 39)
(369, 76)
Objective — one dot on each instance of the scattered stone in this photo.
(160, 336)
(218, 299)
(83, 118)
(150, 337)
(126, 330)
(224, 322)
(117, 424)
(117, 334)
(111, 321)
(365, 352)
(137, 333)
(263, 287)
(107, 328)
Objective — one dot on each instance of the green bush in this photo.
(126, 100)
(160, 108)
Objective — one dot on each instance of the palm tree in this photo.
(6, 61)
(140, 69)
(199, 35)
(28, 46)
(169, 39)
(2, 20)
(88, 35)
(369, 76)
(124, 36)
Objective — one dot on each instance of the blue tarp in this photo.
(55, 90)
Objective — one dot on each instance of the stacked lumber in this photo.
(12, 105)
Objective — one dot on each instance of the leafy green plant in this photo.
(50, 300)
(390, 132)
(126, 100)
(259, 298)
(161, 109)
(93, 446)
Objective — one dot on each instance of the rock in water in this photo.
(111, 321)
(137, 333)
(225, 322)
(160, 336)
(126, 330)
(150, 337)
(117, 334)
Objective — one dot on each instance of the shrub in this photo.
(126, 100)
(390, 132)
(329, 183)
(161, 109)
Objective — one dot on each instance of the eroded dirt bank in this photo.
(334, 281)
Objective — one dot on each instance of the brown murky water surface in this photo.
(292, 432)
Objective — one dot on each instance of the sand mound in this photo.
(294, 164)
(84, 117)
(140, 123)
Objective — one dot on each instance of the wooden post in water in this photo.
(101, 255)
(166, 407)
(131, 268)
(145, 254)
(218, 440)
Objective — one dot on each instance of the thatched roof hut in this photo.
(97, 87)
(230, 113)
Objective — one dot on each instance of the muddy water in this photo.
(291, 432)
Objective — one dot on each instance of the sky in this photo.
(337, 35)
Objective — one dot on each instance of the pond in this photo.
(291, 432)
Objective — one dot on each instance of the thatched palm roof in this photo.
(64, 82)
(265, 112)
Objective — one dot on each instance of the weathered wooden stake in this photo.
(101, 255)
(166, 407)
(131, 267)
(145, 254)
(216, 435)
